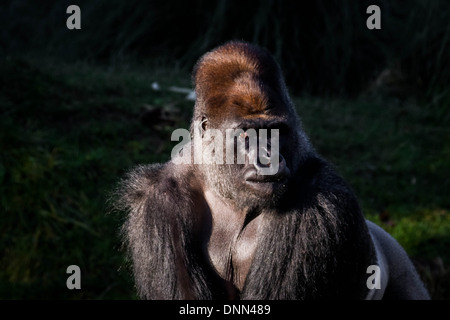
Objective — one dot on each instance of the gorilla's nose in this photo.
(273, 169)
(269, 171)
(263, 160)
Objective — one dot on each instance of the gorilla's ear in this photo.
(204, 125)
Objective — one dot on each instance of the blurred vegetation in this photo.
(323, 45)
(77, 110)
(68, 133)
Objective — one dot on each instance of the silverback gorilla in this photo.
(227, 231)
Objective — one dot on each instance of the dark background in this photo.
(323, 46)
(77, 110)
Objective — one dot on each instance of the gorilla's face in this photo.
(241, 89)
(256, 164)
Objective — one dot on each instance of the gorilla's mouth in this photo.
(253, 177)
(266, 187)
(267, 183)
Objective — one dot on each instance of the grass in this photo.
(69, 132)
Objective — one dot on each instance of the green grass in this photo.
(69, 132)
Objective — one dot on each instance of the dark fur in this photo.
(316, 247)
(312, 241)
(162, 233)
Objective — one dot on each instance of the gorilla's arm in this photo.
(161, 232)
(403, 282)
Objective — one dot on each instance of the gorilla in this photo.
(229, 230)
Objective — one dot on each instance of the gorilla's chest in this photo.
(231, 246)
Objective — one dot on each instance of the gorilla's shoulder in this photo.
(318, 171)
(153, 182)
(317, 176)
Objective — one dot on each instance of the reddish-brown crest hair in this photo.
(242, 79)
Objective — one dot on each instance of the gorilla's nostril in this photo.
(263, 161)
